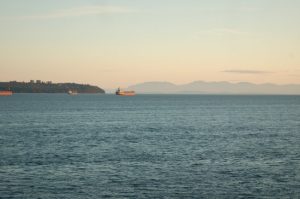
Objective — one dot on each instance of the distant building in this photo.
(49, 82)
(38, 81)
(31, 81)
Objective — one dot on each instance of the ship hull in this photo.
(72, 92)
(125, 93)
(6, 93)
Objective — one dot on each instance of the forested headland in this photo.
(48, 87)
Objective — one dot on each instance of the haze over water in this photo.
(149, 146)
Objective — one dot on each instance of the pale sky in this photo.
(123, 42)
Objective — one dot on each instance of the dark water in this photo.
(149, 146)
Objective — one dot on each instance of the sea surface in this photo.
(149, 146)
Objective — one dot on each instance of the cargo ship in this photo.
(124, 93)
(6, 93)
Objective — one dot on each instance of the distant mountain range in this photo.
(201, 87)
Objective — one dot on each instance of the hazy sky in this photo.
(122, 42)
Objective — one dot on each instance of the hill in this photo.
(201, 87)
(43, 87)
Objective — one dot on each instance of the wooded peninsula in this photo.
(39, 86)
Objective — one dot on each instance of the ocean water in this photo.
(149, 146)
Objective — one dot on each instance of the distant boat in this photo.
(70, 92)
(124, 93)
(6, 93)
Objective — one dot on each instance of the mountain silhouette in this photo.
(201, 87)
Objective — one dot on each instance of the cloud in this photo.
(75, 12)
(257, 72)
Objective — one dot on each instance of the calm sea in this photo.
(149, 146)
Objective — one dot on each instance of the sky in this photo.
(116, 43)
